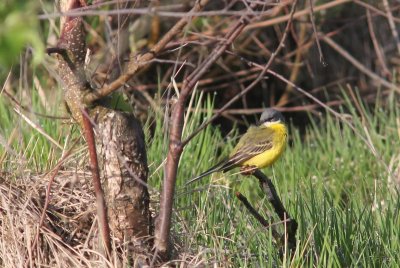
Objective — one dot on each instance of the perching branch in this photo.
(257, 215)
(269, 189)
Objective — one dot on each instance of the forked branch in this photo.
(143, 60)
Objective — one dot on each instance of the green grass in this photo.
(342, 194)
(339, 191)
(31, 149)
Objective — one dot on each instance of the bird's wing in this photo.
(256, 141)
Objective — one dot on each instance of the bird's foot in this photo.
(248, 170)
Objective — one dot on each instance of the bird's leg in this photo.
(247, 170)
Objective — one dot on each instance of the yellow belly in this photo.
(268, 157)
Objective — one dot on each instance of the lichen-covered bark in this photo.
(71, 65)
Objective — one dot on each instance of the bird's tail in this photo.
(215, 168)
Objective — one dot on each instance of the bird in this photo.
(258, 148)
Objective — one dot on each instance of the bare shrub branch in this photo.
(175, 135)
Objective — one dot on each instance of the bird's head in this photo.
(271, 116)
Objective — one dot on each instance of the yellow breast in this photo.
(268, 157)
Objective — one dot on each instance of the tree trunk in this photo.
(123, 164)
(120, 144)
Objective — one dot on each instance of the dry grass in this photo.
(69, 233)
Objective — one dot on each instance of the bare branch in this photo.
(176, 145)
(257, 215)
(358, 64)
(390, 19)
(252, 85)
(140, 61)
(321, 55)
(268, 187)
(378, 51)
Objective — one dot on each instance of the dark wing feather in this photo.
(254, 142)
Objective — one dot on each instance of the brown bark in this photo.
(122, 156)
(120, 144)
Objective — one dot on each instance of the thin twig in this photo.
(295, 15)
(378, 51)
(64, 54)
(375, 10)
(38, 128)
(47, 197)
(321, 55)
(143, 60)
(358, 64)
(391, 24)
(154, 11)
(252, 111)
(29, 110)
(19, 105)
(283, 100)
(94, 167)
(203, 82)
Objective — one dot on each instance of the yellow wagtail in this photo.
(259, 147)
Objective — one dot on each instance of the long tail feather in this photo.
(215, 168)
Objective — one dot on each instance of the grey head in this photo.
(271, 115)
